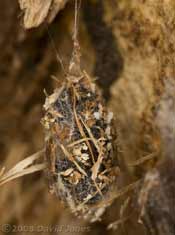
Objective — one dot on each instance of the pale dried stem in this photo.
(24, 167)
(143, 159)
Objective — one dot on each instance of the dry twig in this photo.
(24, 167)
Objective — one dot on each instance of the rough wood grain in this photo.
(139, 36)
(38, 11)
(157, 201)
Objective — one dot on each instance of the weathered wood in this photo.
(157, 199)
(132, 54)
(38, 11)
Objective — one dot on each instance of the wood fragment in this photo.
(38, 11)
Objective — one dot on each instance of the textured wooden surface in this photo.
(129, 46)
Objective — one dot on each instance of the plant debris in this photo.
(22, 168)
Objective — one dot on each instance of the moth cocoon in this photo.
(80, 136)
(79, 151)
